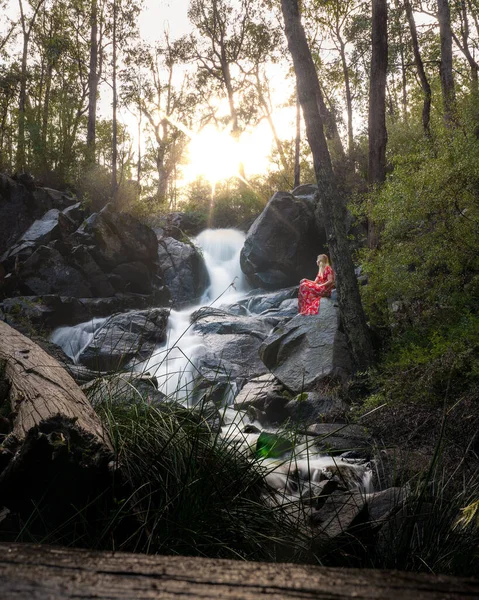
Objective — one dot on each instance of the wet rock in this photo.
(76, 213)
(231, 345)
(308, 350)
(125, 337)
(282, 303)
(183, 271)
(282, 244)
(46, 229)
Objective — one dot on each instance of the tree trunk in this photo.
(20, 158)
(92, 84)
(30, 571)
(349, 100)
(377, 94)
(447, 79)
(55, 433)
(297, 146)
(426, 88)
(114, 151)
(331, 210)
(377, 104)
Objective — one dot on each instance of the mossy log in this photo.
(54, 445)
(45, 572)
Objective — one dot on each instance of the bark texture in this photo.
(56, 453)
(44, 572)
(331, 209)
(447, 79)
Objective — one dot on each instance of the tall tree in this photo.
(27, 25)
(93, 79)
(426, 88)
(377, 132)
(447, 79)
(331, 207)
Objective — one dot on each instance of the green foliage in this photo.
(228, 205)
(424, 279)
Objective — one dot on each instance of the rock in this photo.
(339, 514)
(231, 345)
(133, 277)
(282, 244)
(50, 311)
(100, 286)
(308, 350)
(282, 303)
(382, 505)
(183, 270)
(75, 213)
(308, 192)
(337, 438)
(311, 407)
(255, 390)
(123, 389)
(125, 337)
(18, 210)
(46, 272)
(54, 198)
(114, 239)
(179, 224)
(46, 229)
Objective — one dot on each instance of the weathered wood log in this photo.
(45, 572)
(57, 446)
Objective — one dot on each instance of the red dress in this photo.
(311, 292)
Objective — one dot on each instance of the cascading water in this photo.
(73, 340)
(173, 364)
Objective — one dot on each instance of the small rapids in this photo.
(173, 364)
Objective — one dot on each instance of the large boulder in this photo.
(116, 238)
(231, 344)
(18, 210)
(282, 244)
(125, 337)
(47, 272)
(183, 271)
(308, 350)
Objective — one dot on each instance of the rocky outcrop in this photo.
(183, 271)
(50, 248)
(308, 350)
(231, 344)
(282, 244)
(21, 204)
(125, 337)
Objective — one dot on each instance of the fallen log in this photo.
(56, 451)
(53, 573)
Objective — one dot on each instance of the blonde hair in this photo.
(323, 258)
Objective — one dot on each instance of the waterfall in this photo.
(73, 340)
(173, 364)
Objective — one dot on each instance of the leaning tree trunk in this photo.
(426, 88)
(331, 210)
(56, 453)
(447, 79)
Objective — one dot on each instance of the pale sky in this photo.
(160, 14)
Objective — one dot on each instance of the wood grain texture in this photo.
(41, 388)
(29, 572)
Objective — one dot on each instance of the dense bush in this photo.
(423, 291)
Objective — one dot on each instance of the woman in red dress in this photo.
(311, 292)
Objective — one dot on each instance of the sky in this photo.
(160, 14)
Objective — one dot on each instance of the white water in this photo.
(173, 364)
(73, 340)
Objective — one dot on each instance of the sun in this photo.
(214, 155)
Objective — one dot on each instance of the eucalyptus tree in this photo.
(446, 68)
(158, 85)
(27, 22)
(331, 211)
